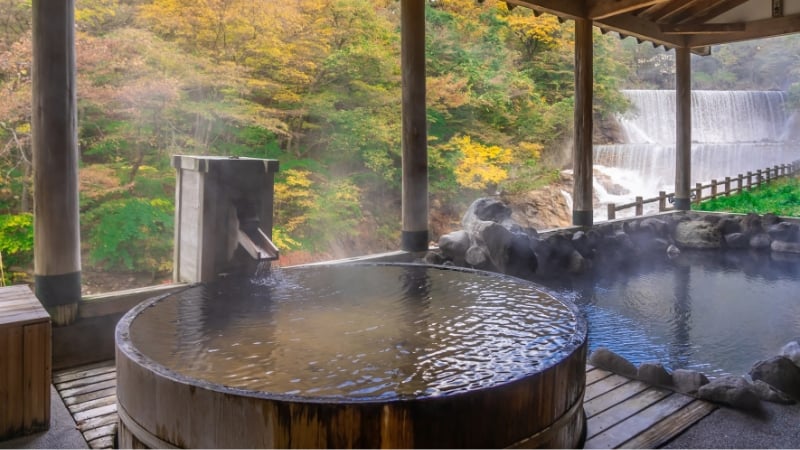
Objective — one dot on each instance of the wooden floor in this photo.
(90, 394)
(621, 413)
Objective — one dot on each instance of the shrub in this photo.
(16, 245)
(133, 234)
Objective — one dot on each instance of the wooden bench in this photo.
(25, 363)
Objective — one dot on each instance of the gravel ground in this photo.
(775, 426)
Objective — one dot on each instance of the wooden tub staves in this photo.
(161, 408)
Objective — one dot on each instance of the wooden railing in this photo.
(728, 186)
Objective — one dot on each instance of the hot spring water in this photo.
(381, 355)
(733, 132)
(713, 311)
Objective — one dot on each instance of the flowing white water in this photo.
(733, 132)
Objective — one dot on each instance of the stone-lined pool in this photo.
(713, 311)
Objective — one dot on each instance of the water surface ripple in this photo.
(365, 331)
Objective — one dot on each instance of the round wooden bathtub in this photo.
(371, 356)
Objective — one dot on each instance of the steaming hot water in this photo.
(732, 132)
(358, 332)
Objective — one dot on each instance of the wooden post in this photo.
(739, 181)
(768, 175)
(57, 257)
(713, 189)
(759, 178)
(749, 180)
(727, 186)
(683, 122)
(415, 134)
(698, 193)
(612, 211)
(662, 201)
(639, 206)
(582, 152)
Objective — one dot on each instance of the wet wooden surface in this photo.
(621, 413)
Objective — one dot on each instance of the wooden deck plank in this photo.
(622, 411)
(88, 389)
(103, 442)
(610, 398)
(663, 431)
(112, 375)
(606, 384)
(632, 426)
(95, 412)
(97, 422)
(83, 372)
(102, 401)
(105, 430)
(82, 398)
(596, 375)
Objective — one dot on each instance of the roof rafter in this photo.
(753, 30)
(600, 9)
(702, 28)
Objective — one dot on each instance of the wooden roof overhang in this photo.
(692, 24)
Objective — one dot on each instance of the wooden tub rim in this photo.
(124, 344)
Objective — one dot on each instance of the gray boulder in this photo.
(478, 257)
(604, 358)
(697, 235)
(780, 373)
(792, 351)
(730, 390)
(485, 209)
(688, 381)
(783, 231)
(654, 373)
(769, 394)
(454, 245)
(785, 246)
(497, 240)
(737, 240)
(760, 241)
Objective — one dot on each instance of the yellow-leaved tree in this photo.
(480, 166)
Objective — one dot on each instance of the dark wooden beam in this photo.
(564, 9)
(716, 8)
(57, 255)
(414, 133)
(673, 14)
(702, 28)
(630, 25)
(683, 128)
(691, 14)
(777, 26)
(599, 9)
(582, 161)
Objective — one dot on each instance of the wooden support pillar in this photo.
(57, 257)
(414, 134)
(582, 152)
(683, 128)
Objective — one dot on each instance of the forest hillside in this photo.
(315, 84)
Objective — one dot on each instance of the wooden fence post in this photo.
(639, 206)
(759, 178)
(713, 189)
(698, 196)
(612, 211)
(739, 184)
(749, 180)
(662, 201)
(727, 186)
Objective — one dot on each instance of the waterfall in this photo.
(732, 132)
